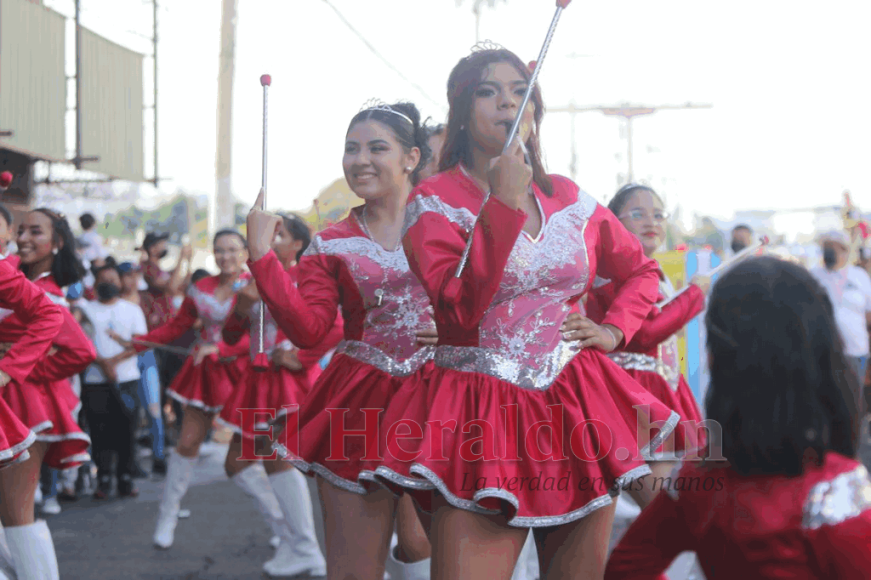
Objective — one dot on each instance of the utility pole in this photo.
(221, 210)
(628, 112)
(154, 57)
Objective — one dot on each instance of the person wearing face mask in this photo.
(110, 392)
(742, 237)
(849, 289)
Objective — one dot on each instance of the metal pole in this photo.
(261, 361)
(629, 147)
(78, 159)
(573, 167)
(156, 180)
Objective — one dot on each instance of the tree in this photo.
(476, 10)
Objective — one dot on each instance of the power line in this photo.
(381, 57)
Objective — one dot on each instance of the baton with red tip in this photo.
(261, 360)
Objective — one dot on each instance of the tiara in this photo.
(379, 105)
(486, 45)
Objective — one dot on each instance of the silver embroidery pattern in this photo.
(490, 362)
(832, 502)
(212, 311)
(422, 204)
(375, 357)
(634, 361)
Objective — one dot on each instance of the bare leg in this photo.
(18, 486)
(651, 485)
(413, 541)
(469, 546)
(358, 530)
(576, 551)
(194, 427)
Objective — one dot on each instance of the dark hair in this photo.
(66, 268)
(198, 275)
(618, 202)
(6, 215)
(743, 227)
(462, 83)
(433, 130)
(299, 230)
(87, 221)
(779, 384)
(409, 135)
(230, 232)
(107, 266)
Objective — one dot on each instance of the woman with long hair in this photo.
(781, 494)
(358, 265)
(522, 426)
(281, 493)
(209, 374)
(44, 401)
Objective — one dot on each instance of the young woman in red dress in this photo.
(209, 375)
(357, 265)
(504, 374)
(789, 500)
(44, 401)
(283, 497)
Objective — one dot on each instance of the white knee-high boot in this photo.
(7, 568)
(179, 472)
(299, 550)
(406, 570)
(32, 552)
(526, 567)
(255, 483)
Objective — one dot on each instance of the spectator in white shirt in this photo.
(111, 398)
(849, 289)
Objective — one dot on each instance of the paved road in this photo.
(224, 539)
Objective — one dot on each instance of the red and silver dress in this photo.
(652, 358)
(816, 526)
(45, 401)
(206, 386)
(42, 322)
(383, 307)
(278, 388)
(517, 420)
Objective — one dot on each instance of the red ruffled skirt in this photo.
(49, 410)
(350, 396)
(208, 385)
(15, 437)
(687, 438)
(275, 389)
(491, 447)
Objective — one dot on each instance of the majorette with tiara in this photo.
(357, 265)
(281, 493)
(504, 373)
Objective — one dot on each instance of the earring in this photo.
(408, 169)
(462, 127)
(54, 251)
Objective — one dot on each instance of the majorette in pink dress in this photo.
(652, 358)
(503, 378)
(45, 401)
(278, 389)
(206, 386)
(42, 322)
(383, 307)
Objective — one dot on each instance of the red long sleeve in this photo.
(621, 259)
(41, 318)
(664, 323)
(309, 357)
(434, 247)
(236, 326)
(306, 314)
(183, 320)
(75, 352)
(653, 541)
(844, 551)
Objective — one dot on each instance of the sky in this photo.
(788, 128)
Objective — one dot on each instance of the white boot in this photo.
(179, 473)
(255, 483)
(299, 550)
(7, 569)
(626, 512)
(32, 552)
(524, 569)
(406, 570)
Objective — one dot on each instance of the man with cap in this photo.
(849, 289)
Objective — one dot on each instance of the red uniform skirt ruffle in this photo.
(48, 409)
(15, 437)
(687, 438)
(314, 443)
(518, 479)
(275, 389)
(208, 385)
